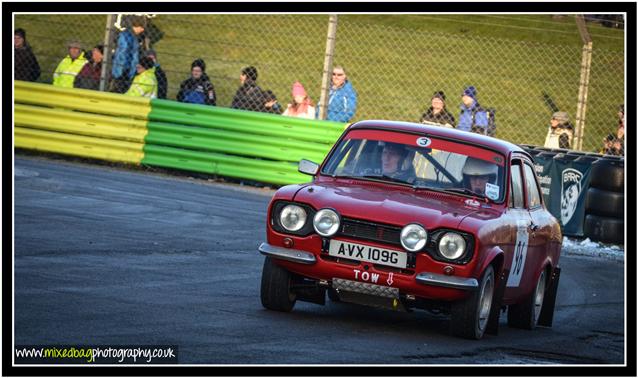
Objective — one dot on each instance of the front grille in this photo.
(371, 231)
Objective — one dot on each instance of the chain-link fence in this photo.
(394, 70)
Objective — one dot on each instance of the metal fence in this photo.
(394, 70)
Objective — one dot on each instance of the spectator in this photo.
(271, 105)
(560, 132)
(89, 76)
(437, 113)
(615, 144)
(342, 100)
(301, 105)
(197, 89)
(70, 66)
(26, 66)
(248, 96)
(144, 84)
(126, 56)
(472, 117)
(162, 82)
(608, 145)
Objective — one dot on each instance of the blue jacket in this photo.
(342, 103)
(126, 56)
(465, 118)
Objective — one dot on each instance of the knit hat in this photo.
(298, 89)
(147, 62)
(199, 63)
(250, 72)
(469, 91)
(74, 43)
(561, 117)
(21, 32)
(439, 95)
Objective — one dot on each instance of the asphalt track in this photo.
(111, 256)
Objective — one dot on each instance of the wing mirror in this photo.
(308, 167)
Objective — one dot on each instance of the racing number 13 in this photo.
(519, 256)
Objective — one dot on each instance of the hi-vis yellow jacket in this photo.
(144, 85)
(67, 70)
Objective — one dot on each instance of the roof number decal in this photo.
(423, 141)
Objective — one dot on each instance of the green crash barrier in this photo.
(81, 99)
(70, 122)
(227, 142)
(83, 146)
(246, 121)
(280, 173)
(197, 138)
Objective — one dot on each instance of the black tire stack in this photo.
(604, 204)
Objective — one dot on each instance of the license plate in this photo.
(368, 253)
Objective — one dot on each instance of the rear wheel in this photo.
(275, 287)
(525, 315)
(469, 317)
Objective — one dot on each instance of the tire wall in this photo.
(584, 192)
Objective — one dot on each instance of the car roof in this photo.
(499, 145)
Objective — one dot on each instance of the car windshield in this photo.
(419, 161)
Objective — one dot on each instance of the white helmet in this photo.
(476, 167)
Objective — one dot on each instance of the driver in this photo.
(392, 159)
(477, 173)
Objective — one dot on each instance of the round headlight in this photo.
(292, 217)
(413, 237)
(326, 222)
(452, 246)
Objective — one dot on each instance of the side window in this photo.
(533, 196)
(517, 186)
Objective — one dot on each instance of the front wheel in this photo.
(275, 287)
(469, 317)
(525, 314)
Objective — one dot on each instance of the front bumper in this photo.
(422, 278)
(294, 255)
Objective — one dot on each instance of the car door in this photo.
(519, 220)
(538, 230)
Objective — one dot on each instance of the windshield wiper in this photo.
(464, 191)
(385, 177)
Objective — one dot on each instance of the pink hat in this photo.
(298, 89)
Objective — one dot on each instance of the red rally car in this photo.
(402, 215)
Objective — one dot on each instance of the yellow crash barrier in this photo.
(81, 99)
(84, 146)
(65, 121)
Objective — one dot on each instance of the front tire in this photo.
(525, 314)
(275, 287)
(469, 317)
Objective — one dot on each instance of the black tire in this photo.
(525, 314)
(608, 174)
(469, 317)
(333, 295)
(606, 230)
(275, 287)
(605, 203)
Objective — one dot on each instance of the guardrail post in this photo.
(585, 68)
(327, 66)
(108, 45)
